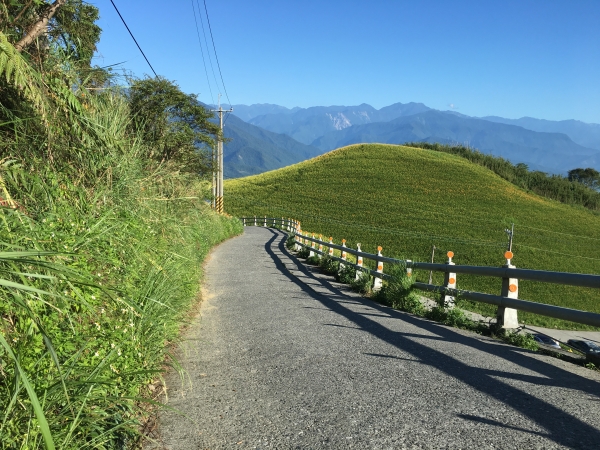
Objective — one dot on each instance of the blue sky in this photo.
(538, 58)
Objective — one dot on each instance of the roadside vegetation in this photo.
(103, 229)
(398, 292)
(407, 200)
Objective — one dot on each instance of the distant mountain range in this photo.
(550, 146)
(585, 134)
(254, 150)
(548, 152)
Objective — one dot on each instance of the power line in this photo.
(216, 57)
(202, 51)
(212, 68)
(133, 37)
(559, 232)
(555, 252)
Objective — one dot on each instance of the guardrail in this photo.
(508, 302)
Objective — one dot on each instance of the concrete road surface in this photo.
(284, 359)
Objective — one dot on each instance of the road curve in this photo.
(284, 358)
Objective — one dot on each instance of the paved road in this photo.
(282, 358)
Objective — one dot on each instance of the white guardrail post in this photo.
(330, 252)
(344, 256)
(265, 224)
(359, 263)
(320, 246)
(255, 221)
(312, 247)
(244, 220)
(408, 269)
(298, 236)
(378, 282)
(449, 283)
(507, 317)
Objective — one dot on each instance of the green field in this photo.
(407, 200)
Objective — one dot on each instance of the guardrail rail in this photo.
(508, 301)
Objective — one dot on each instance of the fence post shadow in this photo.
(554, 420)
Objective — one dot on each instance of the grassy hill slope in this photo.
(408, 199)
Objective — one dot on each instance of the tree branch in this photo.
(40, 26)
(21, 13)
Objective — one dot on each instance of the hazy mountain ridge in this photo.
(549, 152)
(551, 146)
(248, 112)
(253, 150)
(582, 133)
(308, 124)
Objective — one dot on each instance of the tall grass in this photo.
(100, 262)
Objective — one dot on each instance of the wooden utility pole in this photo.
(219, 160)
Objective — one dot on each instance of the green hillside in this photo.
(407, 200)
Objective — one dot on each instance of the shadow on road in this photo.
(560, 426)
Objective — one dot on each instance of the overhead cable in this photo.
(202, 50)
(215, 50)
(133, 37)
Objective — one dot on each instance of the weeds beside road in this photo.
(100, 262)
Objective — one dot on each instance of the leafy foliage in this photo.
(303, 253)
(72, 29)
(291, 241)
(398, 291)
(346, 275)
(523, 340)
(588, 177)
(313, 260)
(173, 124)
(329, 265)
(101, 249)
(362, 284)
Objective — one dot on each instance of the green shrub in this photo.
(329, 265)
(524, 340)
(346, 275)
(290, 243)
(397, 291)
(303, 253)
(313, 260)
(454, 317)
(362, 284)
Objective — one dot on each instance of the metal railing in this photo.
(508, 302)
